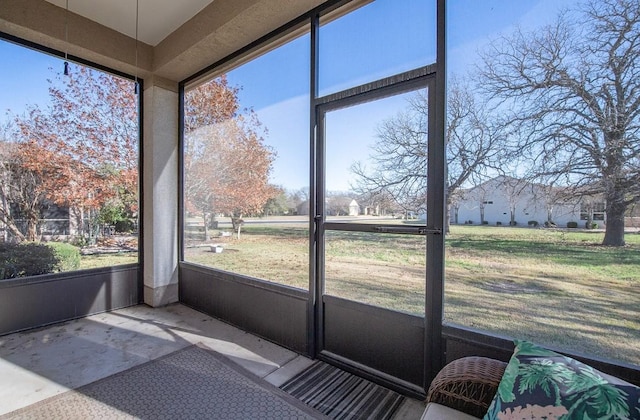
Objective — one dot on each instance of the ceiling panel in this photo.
(156, 18)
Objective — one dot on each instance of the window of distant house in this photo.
(68, 165)
(592, 210)
(529, 84)
(246, 168)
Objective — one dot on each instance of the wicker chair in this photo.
(467, 384)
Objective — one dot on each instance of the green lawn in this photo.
(107, 260)
(556, 287)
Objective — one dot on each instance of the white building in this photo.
(354, 208)
(503, 200)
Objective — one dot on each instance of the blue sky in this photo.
(23, 77)
(377, 40)
(353, 50)
(357, 49)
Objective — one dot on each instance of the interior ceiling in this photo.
(156, 18)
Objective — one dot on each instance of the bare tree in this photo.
(399, 157)
(379, 203)
(572, 89)
(474, 140)
(512, 190)
(480, 194)
(552, 197)
(455, 200)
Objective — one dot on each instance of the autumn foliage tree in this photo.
(21, 190)
(26, 185)
(226, 162)
(79, 153)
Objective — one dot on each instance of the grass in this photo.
(555, 287)
(107, 260)
(279, 258)
(111, 251)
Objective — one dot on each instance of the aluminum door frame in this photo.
(424, 77)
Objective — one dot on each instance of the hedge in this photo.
(26, 259)
(67, 254)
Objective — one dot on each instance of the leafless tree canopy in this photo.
(572, 92)
(399, 158)
(474, 142)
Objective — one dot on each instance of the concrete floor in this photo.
(44, 362)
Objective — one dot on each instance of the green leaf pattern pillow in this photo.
(542, 384)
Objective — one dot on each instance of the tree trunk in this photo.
(32, 226)
(7, 220)
(13, 229)
(205, 221)
(589, 221)
(236, 223)
(32, 231)
(447, 218)
(92, 226)
(614, 231)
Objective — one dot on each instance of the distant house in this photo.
(506, 200)
(632, 218)
(335, 208)
(354, 208)
(54, 221)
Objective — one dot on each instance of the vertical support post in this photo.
(181, 212)
(436, 204)
(160, 182)
(313, 323)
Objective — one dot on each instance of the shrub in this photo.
(26, 259)
(79, 241)
(498, 223)
(67, 254)
(533, 223)
(124, 226)
(572, 225)
(513, 223)
(592, 225)
(485, 222)
(550, 224)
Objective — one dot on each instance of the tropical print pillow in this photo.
(542, 384)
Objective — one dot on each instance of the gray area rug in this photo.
(194, 382)
(341, 395)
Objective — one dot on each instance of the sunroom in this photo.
(293, 168)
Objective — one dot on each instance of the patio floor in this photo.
(44, 362)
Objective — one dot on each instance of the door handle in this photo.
(409, 230)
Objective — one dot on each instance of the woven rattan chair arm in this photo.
(468, 384)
